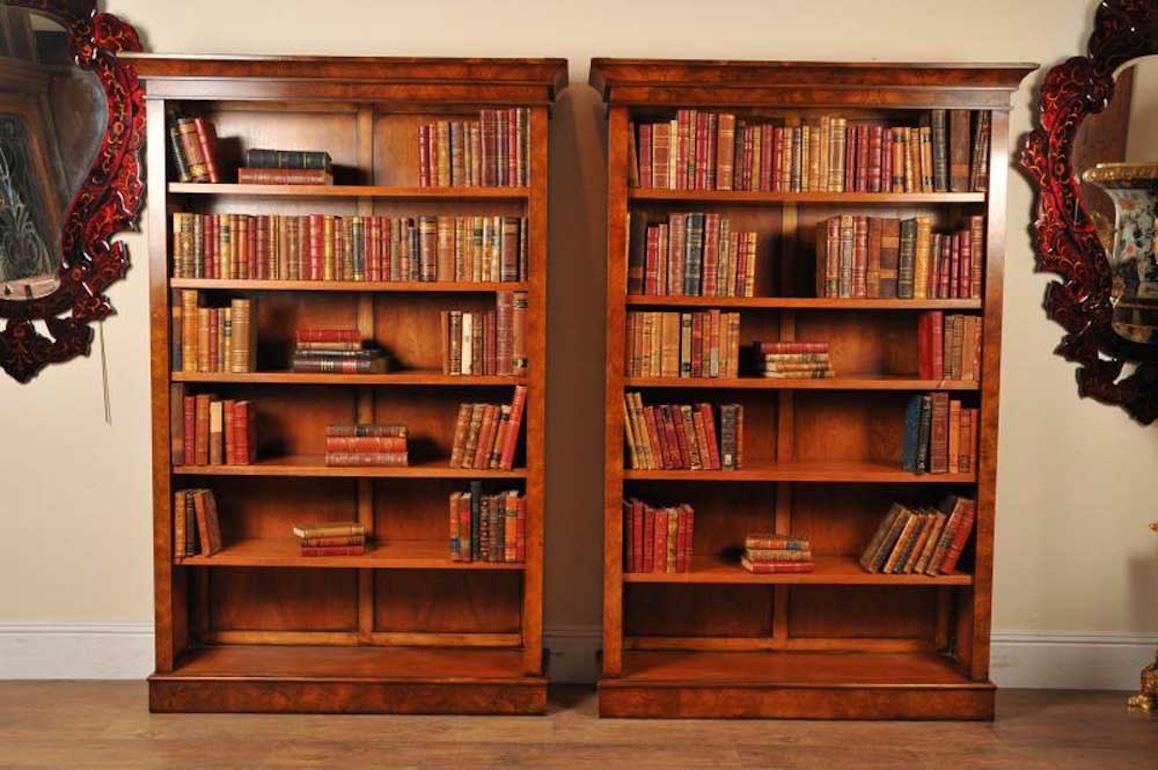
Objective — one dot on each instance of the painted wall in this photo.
(1077, 481)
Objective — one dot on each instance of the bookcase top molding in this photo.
(740, 84)
(473, 81)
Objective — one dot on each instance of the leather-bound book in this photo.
(939, 437)
(284, 176)
(873, 270)
(907, 259)
(940, 136)
(959, 151)
(207, 139)
(979, 167)
(195, 161)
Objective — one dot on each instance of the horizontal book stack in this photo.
(331, 539)
(490, 528)
(886, 258)
(208, 431)
(698, 150)
(941, 435)
(690, 344)
(286, 167)
(657, 539)
(487, 435)
(212, 339)
(683, 436)
(949, 346)
(489, 152)
(696, 255)
(367, 444)
(772, 553)
(196, 528)
(923, 541)
(325, 247)
(493, 342)
(794, 360)
(193, 149)
(336, 351)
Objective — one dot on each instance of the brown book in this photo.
(870, 552)
(472, 435)
(979, 168)
(207, 139)
(511, 439)
(216, 433)
(938, 526)
(201, 437)
(939, 434)
(486, 438)
(208, 528)
(461, 431)
(284, 176)
(195, 163)
(179, 521)
(959, 151)
(903, 540)
(928, 520)
(177, 424)
(329, 529)
(888, 544)
(875, 256)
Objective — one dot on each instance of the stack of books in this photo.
(493, 151)
(488, 527)
(326, 247)
(794, 360)
(193, 149)
(331, 539)
(703, 343)
(773, 553)
(925, 541)
(696, 254)
(209, 431)
(683, 436)
(657, 539)
(286, 167)
(948, 346)
(487, 435)
(941, 435)
(491, 342)
(196, 529)
(886, 258)
(336, 350)
(212, 339)
(367, 444)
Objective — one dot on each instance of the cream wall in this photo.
(1076, 480)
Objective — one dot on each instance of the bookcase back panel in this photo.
(862, 612)
(256, 599)
(242, 129)
(408, 326)
(280, 314)
(431, 414)
(724, 514)
(417, 509)
(840, 519)
(269, 508)
(760, 413)
(447, 601)
(867, 343)
(697, 610)
(866, 427)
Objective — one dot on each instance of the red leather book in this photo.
(767, 157)
(945, 267)
(767, 348)
(977, 264)
(284, 176)
(201, 446)
(637, 515)
(939, 434)
(190, 430)
(937, 340)
(775, 567)
(886, 159)
(965, 270)
(681, 146)
(656, 438)
(701, 149)
(873, 271)
(875, 158)
(862, 158)
(959, 151)
(677, 440)
(860, 257)
(363, 443)
(960, 537)
(776, 160)
(713, 442)
(648, 545)
(521, 530)
(850, 159)
(651, 262)
(518, 404)
(424, 155)
(659, 557)
(230, 442)
(689, 544)
(333, 550)
(954, 265)
(242, 433)
(682, 535)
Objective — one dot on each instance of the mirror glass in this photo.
(52, 120)
(1116, 158)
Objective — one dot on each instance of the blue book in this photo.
(912, 429)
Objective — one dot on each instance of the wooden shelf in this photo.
(809, 471)
(850, 382)
(847, 198)
(350, 191)
(391, 378)
(310, 466)
(285, 552)
(830, 570)
(383, 287)
(803, 303)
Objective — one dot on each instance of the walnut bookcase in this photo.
(402, 628)
(822, 457)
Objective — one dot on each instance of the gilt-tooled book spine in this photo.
(873, 270)
(207, 139)
(870, 551)
(939, 438)
(177, 424)
(923, 433)
(888, 544)
(979, 168)
(284, 176)
(959, 150)
(195, 162)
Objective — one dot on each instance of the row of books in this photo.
(338, 350)
(326, 247)
(692, 254)
(489, 528)
(925, 541)
(487, 435)
(491, 342)
(493, 151)
(948, 346)
(768, 554)
(683, 436)
(698, 150)
(941, 435)
(657, 539)
(196, 528)
(886, 257)
(193, 149)
(367, 444)
(212, 339)
(331, 538)
(206, 430)
(794, 360)
(689, 344)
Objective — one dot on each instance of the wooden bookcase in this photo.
(822, 457)
(402, 628)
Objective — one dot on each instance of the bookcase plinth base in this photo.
(698, 685)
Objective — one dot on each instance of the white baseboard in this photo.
(125, 651)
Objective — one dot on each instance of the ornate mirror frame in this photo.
(108, 201)
(1064, 234)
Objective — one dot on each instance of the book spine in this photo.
(284, 176)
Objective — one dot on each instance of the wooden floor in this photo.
(106, 725)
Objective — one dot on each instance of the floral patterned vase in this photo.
(1133, 187)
